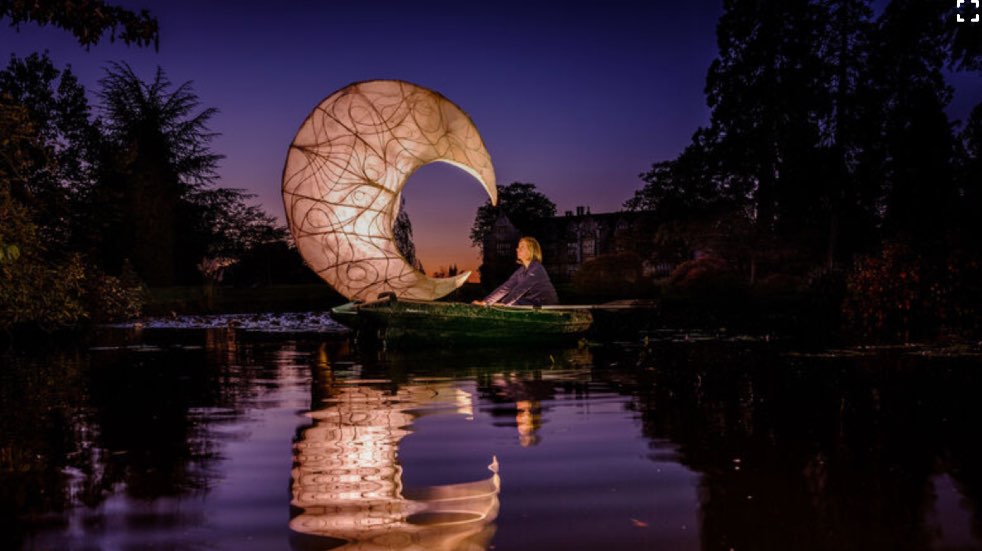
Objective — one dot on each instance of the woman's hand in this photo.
(479, 303)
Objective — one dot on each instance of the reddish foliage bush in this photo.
(885, 295)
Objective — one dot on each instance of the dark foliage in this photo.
(87, 20)
(828, 137)
(92, 209)
(520, 202)
(402, 231)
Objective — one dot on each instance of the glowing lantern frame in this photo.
(344, 175)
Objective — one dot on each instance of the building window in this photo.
(503, 249)
(589, 247)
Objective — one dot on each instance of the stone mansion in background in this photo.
(572, 240)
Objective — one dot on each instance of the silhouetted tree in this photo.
(688, 185)
(233, 226)
(917, 141)
(402, 230)
(848, 124)
(56, 165)
(155, 156)
(969, 185)
(522, 204)
(34, 290)
(766, 91)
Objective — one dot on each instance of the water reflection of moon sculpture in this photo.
(344, 176)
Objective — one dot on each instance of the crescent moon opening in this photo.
(344, 176)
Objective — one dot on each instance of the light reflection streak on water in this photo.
(347, 480)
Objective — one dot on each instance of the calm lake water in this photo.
(222, 439)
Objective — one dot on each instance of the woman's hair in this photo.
(533, 247)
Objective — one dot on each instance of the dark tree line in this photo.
(135, 185)
(829, 127)
(829, 143)
(98, 202)
(155, 193)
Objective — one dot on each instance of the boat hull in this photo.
(410, 320)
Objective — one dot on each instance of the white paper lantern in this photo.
(344, 176)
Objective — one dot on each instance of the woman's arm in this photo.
(531, 280)
(503, 290)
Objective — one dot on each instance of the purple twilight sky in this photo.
(578, 98)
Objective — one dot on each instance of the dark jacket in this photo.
(527, 286)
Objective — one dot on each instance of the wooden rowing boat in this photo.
(406, 319)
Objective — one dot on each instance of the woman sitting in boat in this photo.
(529, 285)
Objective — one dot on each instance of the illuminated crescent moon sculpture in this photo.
(344, 176)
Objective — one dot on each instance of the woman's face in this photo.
(523, 252)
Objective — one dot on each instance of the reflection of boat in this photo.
(397, 319)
